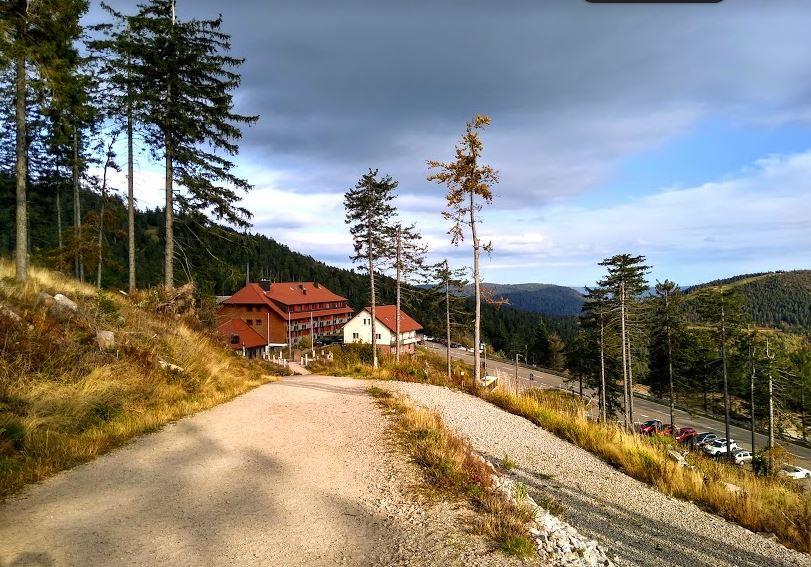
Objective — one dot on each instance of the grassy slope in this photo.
(64, 401)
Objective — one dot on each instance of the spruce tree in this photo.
(186, 91)
(37, 39)
(369, 214)
(450, 284)
(626, 281)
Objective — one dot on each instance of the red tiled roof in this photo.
(386, 314)
(286, 293)
(248, 337)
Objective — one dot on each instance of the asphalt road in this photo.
(643, 409)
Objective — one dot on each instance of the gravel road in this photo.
(638, 525)
(298, 472)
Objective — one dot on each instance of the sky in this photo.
(679, 132)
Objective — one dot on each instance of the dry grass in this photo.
(450, 466)
(64, 401)
(763, 504)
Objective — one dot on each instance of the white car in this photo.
(794, 472)
(741, 457)
(719, 447)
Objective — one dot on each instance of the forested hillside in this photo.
(549, 299)
(777, 299)
(216, 258)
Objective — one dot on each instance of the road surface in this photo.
(298, 472)
(643, 409)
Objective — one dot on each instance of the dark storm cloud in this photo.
(572, 87)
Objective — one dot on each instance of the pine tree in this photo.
(37, 39)
(468, 181)
(625, 280)
(541, 350)
(369, 214)
(186, 92)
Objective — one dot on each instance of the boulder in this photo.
(678, 457)
(170, 367)
(105, 340)
(62, 309)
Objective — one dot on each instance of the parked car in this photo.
(703, 438)
(651, 426)
(740, 457)
(719, 447)
(667, 430)
(456, 345)
(684, 434)
(793, 471)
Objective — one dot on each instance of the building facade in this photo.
(359, 329)
(284, 312)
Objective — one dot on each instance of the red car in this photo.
(685, 434)
(651, 426)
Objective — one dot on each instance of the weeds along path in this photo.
(637, 525)
(298, 472)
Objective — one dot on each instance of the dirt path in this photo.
(292, 473)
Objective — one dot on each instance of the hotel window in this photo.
(378, 336)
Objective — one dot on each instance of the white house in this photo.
(359, 328)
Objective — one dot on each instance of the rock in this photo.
(170, 367)
(733, 487)
(678, 457)
(44, 300)
(105, 340)
(62, 309)
(6, 312)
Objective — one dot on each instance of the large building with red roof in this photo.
(359, 329)
(283, 312)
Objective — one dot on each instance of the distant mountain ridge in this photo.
(548, 299)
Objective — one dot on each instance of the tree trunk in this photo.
(604, 410)
(397, 307)
(726, 385)
(169, 251)
(101, 217)
(670, 367)
(771, 411)
(370, 251)
(130, 190)
(77, 208)
(752, 401)
(478, 295)
(21, 258)
(448, 320)
(59, 215)
(624, 355)
(630, 380)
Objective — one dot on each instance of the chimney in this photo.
(303, 289)
(316, 285)
(265, 285)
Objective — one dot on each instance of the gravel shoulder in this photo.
(637, 525)
(298, 472)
